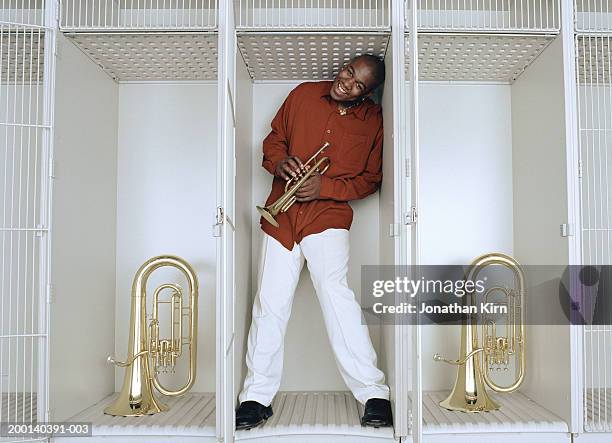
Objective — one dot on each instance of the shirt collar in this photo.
(359, 110)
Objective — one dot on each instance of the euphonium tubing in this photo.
(136, 397)
(469, 393)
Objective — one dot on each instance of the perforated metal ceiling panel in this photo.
(152, 57)
(462, 57)
(304, 56)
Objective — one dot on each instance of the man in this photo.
(315, 228)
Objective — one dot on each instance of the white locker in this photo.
(488, 124)
(591, 37)
(282, 44)
(27, 43)
(136, 168)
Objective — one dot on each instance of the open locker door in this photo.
(412, 240)
(393, 209)
(224, 227)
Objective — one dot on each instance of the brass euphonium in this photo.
(285, 201)
(148, 354)
(497, 351)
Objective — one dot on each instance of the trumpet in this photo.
(285, 201)
(497, 350)
(146, 348)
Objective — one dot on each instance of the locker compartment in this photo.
(492, 178)
(593, 35)
(277, 51)
(135, 161)
(24, 144)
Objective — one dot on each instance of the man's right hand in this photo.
(289, 167)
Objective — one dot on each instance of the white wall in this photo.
(84, 223)
(244, 221)
(166, 200)
(540, 207)
(309, 362)
(466, 191)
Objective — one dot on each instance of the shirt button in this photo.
(328, 131)
(301, 212)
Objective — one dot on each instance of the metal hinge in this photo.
(579, 168)
(218, 222)
(394, 229)
(50, 294)
(221, 218)
(410, 218)
(52, 167)
(567, 230)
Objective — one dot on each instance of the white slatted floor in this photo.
(191, 415)
(316, 414)
(598, 413)
(518, 413)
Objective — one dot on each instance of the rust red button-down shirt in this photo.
(308, 118)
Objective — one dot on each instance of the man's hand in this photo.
(288, 167)
(310, 190)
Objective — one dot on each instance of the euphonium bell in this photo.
(285, 201)
(148, 354)
(469, 393)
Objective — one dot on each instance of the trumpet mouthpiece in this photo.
(110, 360)
(437, 357)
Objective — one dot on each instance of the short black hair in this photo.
(378, 67)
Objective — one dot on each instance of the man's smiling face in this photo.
(355, 80)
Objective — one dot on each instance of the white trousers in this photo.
(327, 255)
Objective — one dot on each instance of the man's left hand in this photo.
(310, 190)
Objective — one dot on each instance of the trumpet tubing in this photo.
(284, 202)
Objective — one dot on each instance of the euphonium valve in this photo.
(148, 354)
(284, 202)
(486, 351)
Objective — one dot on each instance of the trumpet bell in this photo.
(265, 213)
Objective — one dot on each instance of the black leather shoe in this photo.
(250, 414)
(377, 413)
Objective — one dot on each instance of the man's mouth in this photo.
(341, 90)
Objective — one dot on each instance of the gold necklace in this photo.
(342, 111)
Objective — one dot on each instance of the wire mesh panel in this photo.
(312, 14)
(25, 145)
(138, 14)
(22, 12)
(488, 15)
(593, 15)
(594, 76)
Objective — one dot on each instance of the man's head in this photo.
(358, 78)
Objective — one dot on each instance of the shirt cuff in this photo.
(271, 164)
(327, 188)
